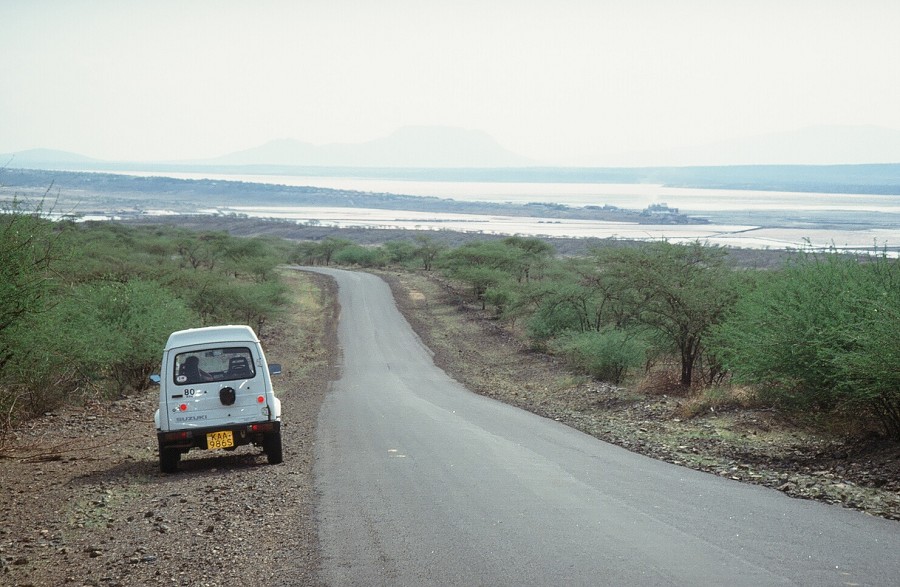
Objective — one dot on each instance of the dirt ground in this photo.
(83, 501)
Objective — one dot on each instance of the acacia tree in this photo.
(536, 253)
(254, 257)
(678, 290)
(399, 251)
(605, 355)
(484, 265)
(428, 250)
(304, 253)
(559, 306)
(361, 256)
(329, 246)
(99, 337)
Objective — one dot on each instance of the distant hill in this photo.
(41, 157)
(815, 145)
(422, 153)
(412, 146)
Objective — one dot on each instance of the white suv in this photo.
(215, 391)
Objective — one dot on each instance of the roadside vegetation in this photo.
(85, 308)
(815, 338)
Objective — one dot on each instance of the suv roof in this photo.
(210, 334)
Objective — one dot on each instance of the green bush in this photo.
(99, 337)
(26, 252)
(255, 258)
(552, 320)
(480, 279)
(329, 246)
(606, 355)
(822, 334)
(560, 306)
(220, 299)
(500, 297)
(356, 255)
(427, 250)
(254, 304)
(141, 315)
(86, 308)
(400, 252)
(306, 253)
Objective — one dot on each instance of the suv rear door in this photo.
(215, 385)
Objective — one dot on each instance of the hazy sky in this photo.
(560, 81)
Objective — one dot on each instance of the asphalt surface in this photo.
(422, 482)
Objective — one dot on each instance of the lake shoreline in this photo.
(850, 222)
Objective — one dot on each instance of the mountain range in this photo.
(411, 146)
(449, 147)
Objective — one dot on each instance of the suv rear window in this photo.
(223, 364)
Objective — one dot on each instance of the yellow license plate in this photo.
(222, 439)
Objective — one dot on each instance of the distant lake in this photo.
(630, 195)
(741, 218)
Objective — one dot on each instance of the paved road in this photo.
(423, 482)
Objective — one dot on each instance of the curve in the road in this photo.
(422, 482)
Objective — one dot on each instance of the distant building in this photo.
(661, 209)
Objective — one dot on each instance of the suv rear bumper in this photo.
(247, 433)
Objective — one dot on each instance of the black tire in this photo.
(168, 459)
(272, 447)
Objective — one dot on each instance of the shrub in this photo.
(400, 252)
(26, 253)
(220, 300)
(561, 306)
(360, 256)
(480, 279)
(822, 334)
(98, 321)
(501, 297)
(606, 355)
(98, 337)
(551, 320)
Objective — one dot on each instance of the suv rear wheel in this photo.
(272, 447)
(168, 459)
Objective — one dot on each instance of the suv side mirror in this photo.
(275, 369)
(156, 379)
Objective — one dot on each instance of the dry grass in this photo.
(711, 400)
(663, 380)
(294, 340)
